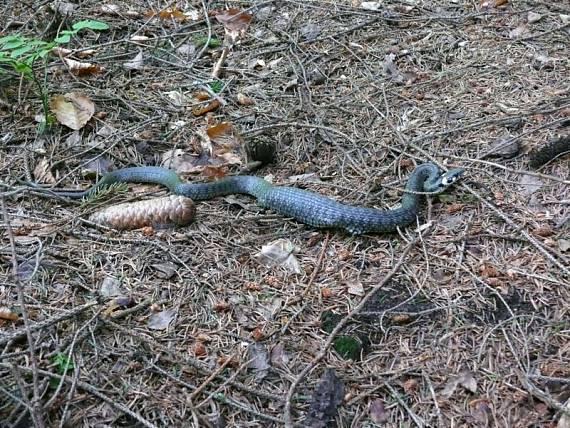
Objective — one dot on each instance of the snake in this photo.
(302, 205)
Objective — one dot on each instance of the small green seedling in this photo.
(202, 40)
(216, 86)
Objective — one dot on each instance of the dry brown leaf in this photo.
(257, 334)
(202, 110)
(182, 162)
(519, 32)
(172, 13)
(202, 96)
(136, 63)
(378, 412)
(355, 288)
(42, 172)
(200, 349)
(72, 109)
(244, 100)
(214, 172)
(410, 385)
(234, 20)
(544, 231)
(221, 306)
(219, 130)
(8, 314)
(82, 68)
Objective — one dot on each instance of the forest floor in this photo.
(460, 320)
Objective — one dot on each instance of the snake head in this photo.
(450, 177)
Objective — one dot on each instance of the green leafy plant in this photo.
(21, 54)
(62, 364)
(217, 86)
(202, 40)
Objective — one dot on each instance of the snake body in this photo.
(303, 205)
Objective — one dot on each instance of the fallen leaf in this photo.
(177, 98)
(219, 130)
(244, 100)
(564, 421)
(505, 148)
(172, 13)
(310, 31)
(481, 410)
(356, 288)
(371, 5)
(214, 172)
(533, 17)
(235, 23)
(136, 63)
(202, 110)
(110, 287)
(82, 68)
(279, 356)
(467, 381)
(328, 395)
(139, 38)
(391, 70)
(279, 253)
(182, 162)
(410, 385)
(221, 306)
(165, 270)
(258, 360)
(42, 172)
(257, 334)
(519, 32)
(96, 167)
(161, 320)
(378, 412)
(8, 314)
(200, 349)
(110, 9)
(564, 245)
(544, 231)
(72, 109)
(529, 184)
(186, 51)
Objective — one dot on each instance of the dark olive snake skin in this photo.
(305, 206)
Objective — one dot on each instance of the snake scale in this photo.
(303, 205)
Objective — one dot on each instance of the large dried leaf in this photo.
(378, 412)
(235, 23)
(161, 320)
(8, 314)
(136, 63)
(83, 68)
(72, 109)
(279, 253)
(42, 172)
(258, 360)
(234, 19)
(326, 399)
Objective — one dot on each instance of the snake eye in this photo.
(449, 179)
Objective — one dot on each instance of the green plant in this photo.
(21, 54)
(62, 364)
(202, 40)
(216, 86)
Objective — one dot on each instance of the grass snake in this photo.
(303, 205)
